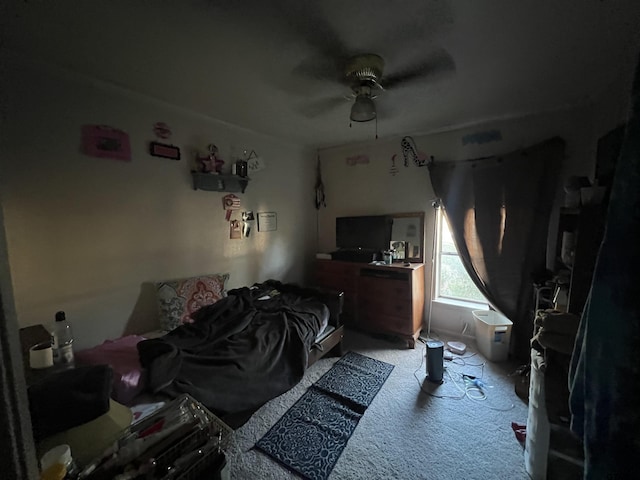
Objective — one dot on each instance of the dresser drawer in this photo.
(376, 320)
(386, 304)
(370, 287)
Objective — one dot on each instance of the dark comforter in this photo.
(241, 351)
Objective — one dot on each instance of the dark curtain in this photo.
(498, 210)
(605, 376)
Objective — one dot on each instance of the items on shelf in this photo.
(209, 175)
(210, 163)
(579, 191)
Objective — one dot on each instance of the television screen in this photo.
(365, 232)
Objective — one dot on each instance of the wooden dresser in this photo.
(378, 298)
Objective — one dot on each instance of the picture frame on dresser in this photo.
(408, 229)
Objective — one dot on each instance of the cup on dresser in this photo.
(41, 355)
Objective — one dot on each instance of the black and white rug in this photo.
(312, 434)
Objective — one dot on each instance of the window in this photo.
(452, 281)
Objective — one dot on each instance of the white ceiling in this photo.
(243, 62)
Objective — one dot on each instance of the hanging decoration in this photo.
(229, 203)
(393, 170)
(161, 130)
(267, 221)
(247, 222)
(254, 162)
(411, 153)
(157, 149)
(320, 196)
(235, 230)
(357, 159)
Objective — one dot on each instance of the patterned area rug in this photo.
(312, 434)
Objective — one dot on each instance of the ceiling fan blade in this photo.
(438, 64)
(321, 68)
(307, 21)
(322, 106)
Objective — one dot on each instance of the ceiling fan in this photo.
(365, 76)
(336, 54)
(364, 72)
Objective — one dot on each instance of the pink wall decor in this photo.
(356, 159)
(161, 130)
(210, 163)
(105, 142)
(163, 150)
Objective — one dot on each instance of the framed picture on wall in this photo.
(105, 142)
(267, 221)
(157, 149)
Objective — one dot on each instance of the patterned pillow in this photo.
(178, 299)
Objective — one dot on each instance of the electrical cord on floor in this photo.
(473, 387)
(462, 361)
(476, 389)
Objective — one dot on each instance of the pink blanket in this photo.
(122, 355)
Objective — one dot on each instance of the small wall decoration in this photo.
(247, 223)
(267, 221)
(163, 150)
(105, 142)
(411, 153)
(229, 203)
(356, 159)
(394, 169)
(161, 130)
(254, 162)
(235, 230)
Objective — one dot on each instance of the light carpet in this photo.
(407, 433)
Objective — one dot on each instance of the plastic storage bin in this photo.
(493, 334)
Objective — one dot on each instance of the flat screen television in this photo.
(372, 232)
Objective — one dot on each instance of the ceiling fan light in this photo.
(363, 109)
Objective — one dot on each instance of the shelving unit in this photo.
(587, 224)
(219, 183)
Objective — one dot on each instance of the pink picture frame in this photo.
(105, 142)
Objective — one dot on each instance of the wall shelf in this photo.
(219, 183)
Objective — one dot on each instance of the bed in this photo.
(232, 351)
